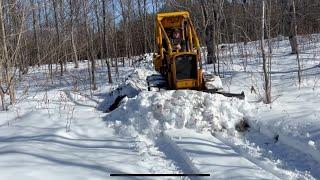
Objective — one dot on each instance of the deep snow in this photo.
(150, 113)
(59, 128)
(287, 129)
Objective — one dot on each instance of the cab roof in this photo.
(184, 14)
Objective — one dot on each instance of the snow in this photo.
(213, 156)
(312, 144)
(57, 133)
(59, 128)
(38, 144)
(212, 81)
(133, 84)
(149, 113)
(293, 114)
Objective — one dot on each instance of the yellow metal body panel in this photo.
(157, 62)
(174, 19)
(186, 84)
(185, 14)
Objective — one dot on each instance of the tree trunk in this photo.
(90, 49)
(125, 15)
(265, 69)
(208, 33)
(47, 27)
(55, 10)
(35, 35)
(74, 47)
(7, 61)
(2, 98)
(294, 41)
(104, 39)
(289, 24)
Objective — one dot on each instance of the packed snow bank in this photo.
(133, 85)
(212, 81)
(149, 113)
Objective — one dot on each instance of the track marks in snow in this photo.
(296, 144)
(172, 151)
(254, 155)
(286, 150)
(210, 155)
(153, 158)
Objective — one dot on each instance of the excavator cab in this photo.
(178, 51)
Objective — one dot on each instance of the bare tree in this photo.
(294, 41)
(91, 52)
(209, 29)
(73, 17)
(4, 53)
(267, 87)
(104, 39)
(10, 56)
(35, 34)
(56, 20)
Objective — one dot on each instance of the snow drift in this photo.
(149, 113)
(133, 84)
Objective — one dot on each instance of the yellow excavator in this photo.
(178, 58)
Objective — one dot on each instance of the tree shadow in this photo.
(295, 70)
(69, 96)
(205, 144)
(208, 153)
(64, 162)
(68, 141)
(41, 140)
(291, 158)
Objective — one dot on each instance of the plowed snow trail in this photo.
(203, 153)
(284, 150)
(172, 151)
(149, 114)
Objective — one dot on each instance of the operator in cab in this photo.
(176, 40)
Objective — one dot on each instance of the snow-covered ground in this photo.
(292, 120)
(59, 128)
